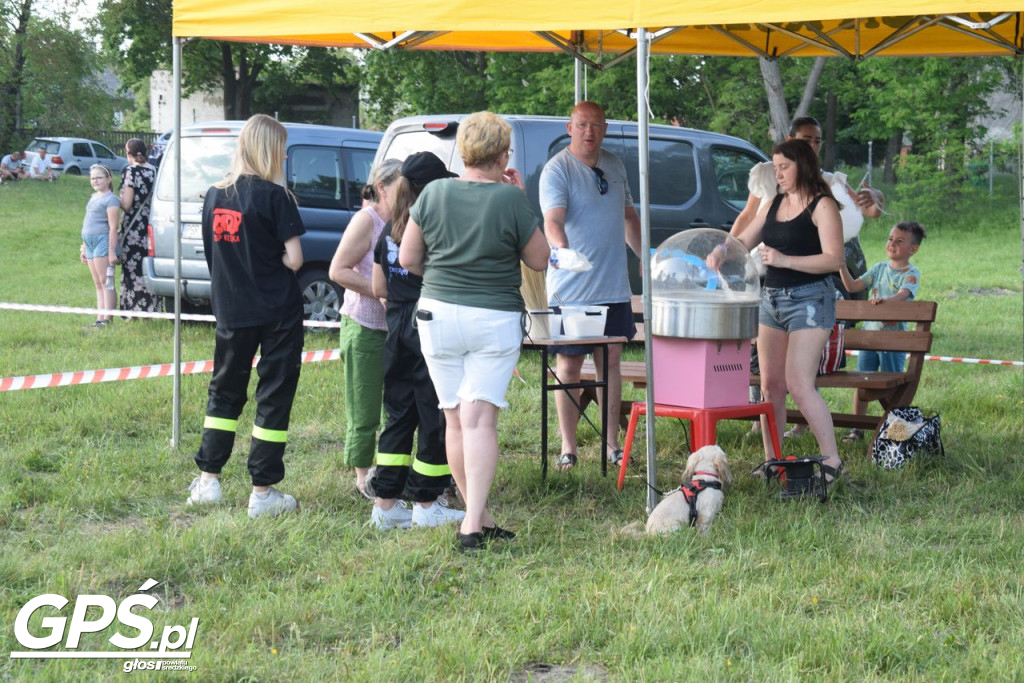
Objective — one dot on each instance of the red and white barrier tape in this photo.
(66, 379)
(956, 359)
(136, 314)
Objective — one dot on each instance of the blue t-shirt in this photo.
(594, 225)
(883, 282)
(95, 221)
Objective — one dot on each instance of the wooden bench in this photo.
(890, 389)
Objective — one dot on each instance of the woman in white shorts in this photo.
(471, 233)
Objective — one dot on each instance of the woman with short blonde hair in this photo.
(467, 236)
(482, 138)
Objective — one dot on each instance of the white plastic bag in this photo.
(569, 259)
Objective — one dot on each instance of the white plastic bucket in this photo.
(584, 321)
(543, 324)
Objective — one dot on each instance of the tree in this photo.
(14, 17)
(137, 34)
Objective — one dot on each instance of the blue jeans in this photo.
(886, 361)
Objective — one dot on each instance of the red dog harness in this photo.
(693, 489)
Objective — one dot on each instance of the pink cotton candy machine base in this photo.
(701, 373)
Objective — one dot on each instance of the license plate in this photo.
(192, 231)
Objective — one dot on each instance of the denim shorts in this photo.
(618, 323)
(96, 246)
(471, 352)
(804, 307)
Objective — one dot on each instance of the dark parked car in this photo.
(698, 179)
(156, 150)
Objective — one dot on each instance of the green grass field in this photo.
(914, 575)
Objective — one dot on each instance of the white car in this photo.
(74, 156)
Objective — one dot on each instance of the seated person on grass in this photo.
(12, 167)
(40, 168)
(894, 280)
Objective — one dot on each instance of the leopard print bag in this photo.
(905, 433)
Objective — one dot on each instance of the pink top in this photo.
(367, 310)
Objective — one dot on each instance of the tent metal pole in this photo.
(578, 79)
(643, 124)
(176, 161)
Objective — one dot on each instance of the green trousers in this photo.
(362, 353)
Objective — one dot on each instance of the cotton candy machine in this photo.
(702, 319)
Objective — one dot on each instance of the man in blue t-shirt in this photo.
(588, 208)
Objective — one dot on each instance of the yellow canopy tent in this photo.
(590, 31)
(774, 28)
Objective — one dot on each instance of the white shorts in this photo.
(471, 352)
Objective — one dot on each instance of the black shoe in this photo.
(496, 533)
(469, 543)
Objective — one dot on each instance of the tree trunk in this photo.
(778, 112)
(10, 103)
(810, 88)
(829, 162)
(227, 72)
(892, 149)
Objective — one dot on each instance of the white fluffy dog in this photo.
(707, 470)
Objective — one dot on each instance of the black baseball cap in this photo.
(422, 167)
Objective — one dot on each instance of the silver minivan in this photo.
(326, 170)
(698, 179)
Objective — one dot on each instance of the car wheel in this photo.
(321, 298)
(73, 170)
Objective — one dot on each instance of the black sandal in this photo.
(836, 473)
(566, 462)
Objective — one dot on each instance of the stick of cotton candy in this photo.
(569, 259)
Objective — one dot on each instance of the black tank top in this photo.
(796, 237)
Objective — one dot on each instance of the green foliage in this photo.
(286, 83)
(910, 575)
(63, 89)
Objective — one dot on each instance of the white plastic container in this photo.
(581, 322)
(543, 324)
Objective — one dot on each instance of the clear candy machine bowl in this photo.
(693, 301)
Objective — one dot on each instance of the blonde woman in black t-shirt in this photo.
(251, 230)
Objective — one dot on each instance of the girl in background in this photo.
(99, 239)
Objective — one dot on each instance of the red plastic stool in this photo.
(704, 421)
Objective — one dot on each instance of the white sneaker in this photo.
(202, 491)
(272, 503)
(435, 514)
(398, 517)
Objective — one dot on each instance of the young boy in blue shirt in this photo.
(894, 280)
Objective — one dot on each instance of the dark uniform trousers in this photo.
(410, 402)
(280, 344)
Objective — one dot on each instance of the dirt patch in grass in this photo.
(552, 673)
(985, 291)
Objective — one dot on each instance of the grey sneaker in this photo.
(398, 517)
(202, 491)
(272, 503)
(436, 514)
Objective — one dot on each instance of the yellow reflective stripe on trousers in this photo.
(274, 435)
(429, 470)
(221, 423)
(394, 459)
